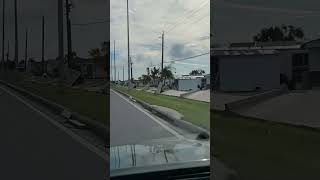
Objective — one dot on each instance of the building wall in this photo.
(245, 73)
(189, 84)
(286, 64)
(314, 59)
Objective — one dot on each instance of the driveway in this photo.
(299, 108)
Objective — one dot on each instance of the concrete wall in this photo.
(245, 73)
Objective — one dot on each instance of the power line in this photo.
(90, 23)
(183, 59)
(188, 13)
(187, 17)
(187, 58)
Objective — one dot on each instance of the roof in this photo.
(189, 77)
(243, 52)
(312, 43)
(277, 45)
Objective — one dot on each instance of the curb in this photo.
(177, 122)
(253, 100)
(98, 128)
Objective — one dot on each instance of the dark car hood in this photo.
(158, 153)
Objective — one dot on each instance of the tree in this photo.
(145, 79)
(167, 73)
(197, 72)
(155, 72)
(283, 33)
(95, 53)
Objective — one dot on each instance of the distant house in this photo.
(266, 66)
(92, 68)
(190, 83)
(313, 48)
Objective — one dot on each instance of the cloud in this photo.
(180, 51)
(149, 19)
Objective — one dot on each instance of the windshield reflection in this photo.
(128, 156)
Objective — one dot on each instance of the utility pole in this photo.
(16, 47)
(60, 30)
(128, 29)
(3, 22)
(111, 72)
(8, 51)
(123, 73)
(131, 69)
(114, 59)
(26, 52)
(162, 55)
(68, 8)
(42, 57)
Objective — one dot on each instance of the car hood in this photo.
(158, 153)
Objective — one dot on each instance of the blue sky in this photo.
(188, 20)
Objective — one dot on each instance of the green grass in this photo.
(196, 112)
(286, 152)
(90, 104)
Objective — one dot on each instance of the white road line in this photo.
(175, 133)
(60, 126)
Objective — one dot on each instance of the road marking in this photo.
(60, 126)
(179, 136)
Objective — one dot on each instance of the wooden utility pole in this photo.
(8, 51)
(42, 57)
(3, 22)
(16, 45)
(128, 29)
(69, 39)
(26, 52)
(131, 69)
(162, 55)
(111, 71)
(114, 59)
(60, 30)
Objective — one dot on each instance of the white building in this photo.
(262, 66)
(190, 83)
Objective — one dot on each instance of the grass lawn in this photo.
(196, 112)
(285, 152)
(89, 104)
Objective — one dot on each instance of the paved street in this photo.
(33, 147)
(129, 124)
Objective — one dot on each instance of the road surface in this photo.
(131, 124)
(34, 147)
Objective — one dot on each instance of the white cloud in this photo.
(148, 18)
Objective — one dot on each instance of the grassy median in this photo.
(90, 104)
(265, 150)
(196, 112)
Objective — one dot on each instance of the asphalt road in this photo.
(32, 147)
(130, 124)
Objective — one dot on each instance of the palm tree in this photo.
(167, 72)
